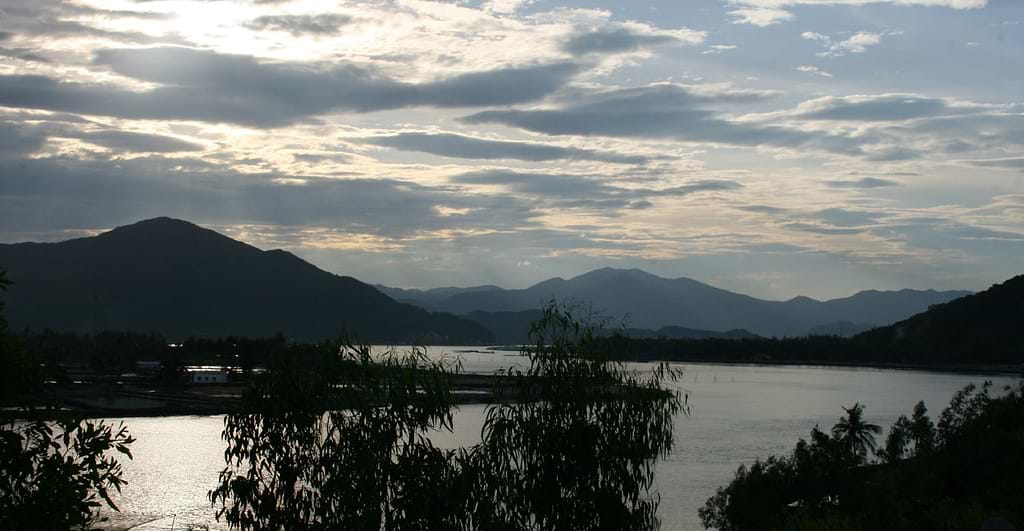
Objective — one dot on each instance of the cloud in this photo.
(862, 183)
(882, 107)
(574, 191)
(955, 4)
(894, 154)
(811, 69)
(659, 111)
(627, 38)
(55, 19)
(467, 147)
(32, 137)
(1014, 163)
(505, 7)
(65, 192)
(323, 24)
(858, 43)
(139, 142)
(767, 12)
(25, 54)
(208, 86)
(760, 16)
(718, 48)
(15, 140)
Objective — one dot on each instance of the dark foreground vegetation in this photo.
(343, 443)
(964, 472)
(56, 469)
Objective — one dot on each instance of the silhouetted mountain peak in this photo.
(160, 225)
(167, 233)
(172, 276)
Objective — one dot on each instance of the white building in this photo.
(207, 376)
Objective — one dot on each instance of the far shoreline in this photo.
(979, 369)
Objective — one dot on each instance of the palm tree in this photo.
(855, 433)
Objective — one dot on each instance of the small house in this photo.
(207, 376)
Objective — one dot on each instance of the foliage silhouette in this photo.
(953, 478)
(344, 443)
(855, 433)
(55, 470)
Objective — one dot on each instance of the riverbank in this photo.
(968, 369)
(106, 400)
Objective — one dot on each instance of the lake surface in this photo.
(739, 413)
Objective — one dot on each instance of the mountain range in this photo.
(178, 279)
(649, 302)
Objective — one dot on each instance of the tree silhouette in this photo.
(56, 470)
(897, 441)
(922, 430)
(855, 433)
(968, 475)
(340, 441)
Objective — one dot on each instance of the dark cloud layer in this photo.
(862, 183)
(55, 19)
(25, 139)
(56, 193)
(890, 107)
(660, 111)
(573, 191)
(613, 40)
(325, 24)
(1010, 163)
(467, 147)
(15, 140)
(207, 86)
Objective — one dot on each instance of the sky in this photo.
(771, 147)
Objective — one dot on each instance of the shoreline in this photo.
(980, 369)
(470, 389)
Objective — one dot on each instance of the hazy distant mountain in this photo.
(512, 328)
(652, 302)
(179, 279)
(985, 327)
(427, 298)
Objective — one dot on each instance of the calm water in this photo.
(738, 413)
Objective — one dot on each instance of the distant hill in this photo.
(987, 327)
(651, 302)
(512, 328)
(176, 278)
(839, 328)
(427, 298)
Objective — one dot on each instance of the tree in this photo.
(922, 430)
(897, 441)
(856, 434)
(967, 404)
(55, 470)
(575, 449)
(970, 475)
(338, 440)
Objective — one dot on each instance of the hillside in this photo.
(986, 327)
(176, 278)
(512, 328)
(651, 302)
